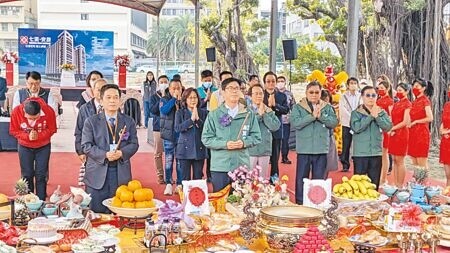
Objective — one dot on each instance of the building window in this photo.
(84, 16)
(15, 26)
(4, 10)
(4, 27)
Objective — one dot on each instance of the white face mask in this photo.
(207, 84)
(281, 85)
(163, 86)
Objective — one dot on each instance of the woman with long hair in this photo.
(386, 102)
(148, 89)
(189, 120)
(419, 126)
(399, 134)
(444, 130)
(87, 95)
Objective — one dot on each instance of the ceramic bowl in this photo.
(34, 206)
(64, 212)
(389, 190)
(48, 210)
(432, 191)
(403, 196)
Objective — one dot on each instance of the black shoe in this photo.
(344, 170)
(286, 161)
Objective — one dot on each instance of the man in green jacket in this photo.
(229, 131)
(368, 122)
(268, 123)
(312, 119)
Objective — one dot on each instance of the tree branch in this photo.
(318, 12)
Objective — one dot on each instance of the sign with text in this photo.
(56, 54)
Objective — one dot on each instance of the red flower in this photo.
(10, 57)
(410, 215)
(122, 60)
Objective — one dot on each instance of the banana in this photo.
(350, 194)
(342, 189)
(345, 195)
(362, 188)
(347, 186)
(356, 177)
(344, 179)
(367, 184)
(336, 188)
(353, 184)
(373, 193)
(220, 194)
(366, 178)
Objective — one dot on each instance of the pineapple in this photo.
(21, 212)
(420, 175)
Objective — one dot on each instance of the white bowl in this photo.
(132, 212)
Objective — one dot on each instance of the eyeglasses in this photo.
(230, 88)
(257, 93)
(373, 95)
(314, 92)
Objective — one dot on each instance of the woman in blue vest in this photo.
(189, 120)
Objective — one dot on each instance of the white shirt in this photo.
(348, 103)
(51, 101)
(233, 111)
(97, 106)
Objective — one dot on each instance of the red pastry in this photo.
(444, 155)
(398, 142)
(312, 241)
(385, 102)
(419, 134)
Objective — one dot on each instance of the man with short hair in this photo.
(34, 89)
(252, 80)
(281, 87)
(33, 123)
(217, 97)
(206, 89)
(348, 102)
(109, 140)
(168, 106)
(312, 119)
(229, 131)
(87, 110)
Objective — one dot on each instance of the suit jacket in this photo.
(3, 89)
(281, 108)
(95, 144)
(86, 110)
(189, 143)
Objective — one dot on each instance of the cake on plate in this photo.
(41, 231)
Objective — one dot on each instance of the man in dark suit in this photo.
(3, 90)
(277, 101)
(107, 154)
(87, 110)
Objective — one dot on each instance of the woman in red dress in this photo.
(386, 102)
(444, 155)
(421, 116)
(398, 136)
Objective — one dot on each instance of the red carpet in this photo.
(64, 168)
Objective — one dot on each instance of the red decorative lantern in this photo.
(9, 58)
(122, 61)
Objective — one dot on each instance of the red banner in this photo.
(122, 76)
(10, 74)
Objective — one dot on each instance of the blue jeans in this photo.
(146, 112)
(306, 163)
(169, 154)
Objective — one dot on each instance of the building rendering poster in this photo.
(59, 53)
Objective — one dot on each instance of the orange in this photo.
(133, 185)
(116, 202)
(148, 193)
(126, 196)
(128, 205)
(140, 195)
(149, 204)
(140, 204)
(120, 190)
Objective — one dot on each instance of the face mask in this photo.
(416, 92)
(381, 93)
(281, 85)
(400, 96)
(207, 84)
(163, 86)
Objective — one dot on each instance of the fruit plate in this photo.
(47, 240)
(355, 240)
(132, 212)
(381, 198)
(231, 229)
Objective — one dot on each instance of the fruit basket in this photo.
(381, 198)
(132, 212)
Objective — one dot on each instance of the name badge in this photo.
(112, 147)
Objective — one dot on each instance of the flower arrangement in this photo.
(225, 120)
(411, 215)
(67, 66)
(10, 57)
(250, 187)
(122, 60)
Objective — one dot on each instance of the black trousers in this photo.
(197, 168)
(276, 145)
(219, 180)
(34, 166)
(346, 143)
(285, 141)
(370, 166)
(107, 191)
(208, 165)
(317, 164)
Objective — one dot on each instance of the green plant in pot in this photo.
(418, 186)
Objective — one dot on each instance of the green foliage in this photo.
(415, 5)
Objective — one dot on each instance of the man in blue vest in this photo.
(34, 89)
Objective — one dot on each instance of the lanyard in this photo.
(113, 134)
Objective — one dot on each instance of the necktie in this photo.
(112, 122)
(99, 109)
